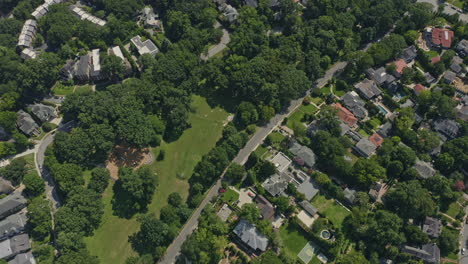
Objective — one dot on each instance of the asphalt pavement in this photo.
(448, 8)
(218, 47)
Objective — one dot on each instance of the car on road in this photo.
(463, 251)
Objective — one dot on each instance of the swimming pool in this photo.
(382, 110)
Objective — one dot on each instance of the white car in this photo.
(463, 251)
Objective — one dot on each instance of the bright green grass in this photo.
(317, 100)
(326, 90)
(363, 133)
(339, 93)
(295, 117)
(315, 260)
(431, 54)
(293, 238)
(457, 3)
(230, 196)
(110, 241)
(452, 256)
(333, 211)
(260, 150)
(375, 122)
(29, 161)
(308, 109)
(83, 89)
(276, 137)
(60, 89)
(453, 209)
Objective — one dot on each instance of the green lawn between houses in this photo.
(293, 238)
(333, 211)
(110, 241)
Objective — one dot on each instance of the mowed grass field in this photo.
(110, 241)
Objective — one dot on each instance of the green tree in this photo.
(415, 236)
(235, 173)
(67, 177)
(153, 233)
(448, 241)
(410, 200)
(367, 171)
(99, 179)
(14, 171)
(35, 185)
(39, 219)
(113, 67)
(353, 258)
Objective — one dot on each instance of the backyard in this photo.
(294, 240)
(296, 118)
(330, 209)
(180, 159)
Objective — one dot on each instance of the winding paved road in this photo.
(218, 47)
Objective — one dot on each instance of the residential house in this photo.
(355, 104)
(12, 225)
(95, 72)
(281, 161)
(441, 38)
(344, 128)
(252, 3)
(462, 47)
(150, 19)
(449, 77)
(345, 115)
(424, 169)
(43, 9)
(44, 113)
(224, 212)
(429, 253)
(429, 78)
(376, 139)
(28, 33)
(83, 15)
(462, 112)
(251, 236)
(229, 12)
(456, 65)
(355, 136)
(303, 155)
(67, 72)
(5, 186)
(308, 187)
(266, 208)
(15, 245)
(409, 54)
(381, 77)
(26, 124)
(365, 148)
(276, 184)
(385, 130)
(116, 51)
(28, 54)
(349, 195)
(408, 103)
(11, 204)
(418, 88)
(144, 47)
(23, 258)
(81, 69)
(368, 89)
(435, 60)
(432, 227)
(400, 65)
(308, 208)
(448, 129)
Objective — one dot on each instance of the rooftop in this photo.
(276, 184)
(424, 169)
(266, 208)
(365, 147)
(345, 115)
(144, 47)
(304, 153)
(308, 207)
(428, 252)
(376, 139)
(442, 37)
(250, 235)
(368, 89)
(45, 113)
(355, 104)
(432, 227)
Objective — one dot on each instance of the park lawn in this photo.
(308, 109)
(110, 241)
(293, 238)
(332, 210)
(230, 196)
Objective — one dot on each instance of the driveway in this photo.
(218, 47)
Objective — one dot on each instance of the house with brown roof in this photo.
(376, 139)
(345, 115)
(442, 37)
(418, 88)
(266, 208)
(400, 65)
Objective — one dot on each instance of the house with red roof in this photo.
(442, 37)
(418, 88)
(435, 60)
(376, 139)
(400, 65)
(345, 115)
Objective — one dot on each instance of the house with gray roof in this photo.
(144, 47)
(365, 147)
(26, 124)
(380, 76)
(267, 210)
(5, 186)
(385, 130)
(11, 204)
(368, 89)
(429, 253)
(81, 68)
(95, 72)
(15, 245)
(276, 184)
(448, 129)
(44, 113)
(424, 169)
(28, 33)
(355, 104)
(251, 236)
(349, 195)
(66, 73)
(303, 153)
(83, 15)
(229, 12)
(449, 77)
(308, 207)
(12, 225)
(462, 47)
(432, 227)
(409, 54)
(252, 3)
(150, 19)
(23, 258)
(308, 188)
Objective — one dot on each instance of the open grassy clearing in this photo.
(293, 238)
(180, 160)
(333, 211)
(230, 196)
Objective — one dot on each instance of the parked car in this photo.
(221, 190)
(463, 251)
